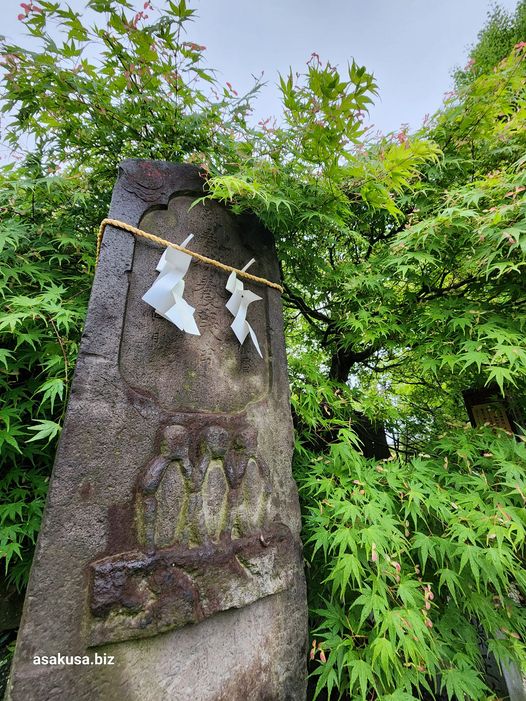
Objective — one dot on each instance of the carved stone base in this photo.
(135, 595)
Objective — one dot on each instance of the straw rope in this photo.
(162, 242)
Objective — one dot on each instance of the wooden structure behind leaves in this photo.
(487, 406)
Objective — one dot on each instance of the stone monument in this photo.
(169, 562)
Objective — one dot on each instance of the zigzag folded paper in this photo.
(237, 305)
(166, 293)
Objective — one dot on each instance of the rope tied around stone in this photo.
(197, 256)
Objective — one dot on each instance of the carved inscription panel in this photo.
(211, 372)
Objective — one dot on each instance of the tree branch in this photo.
(300, 304)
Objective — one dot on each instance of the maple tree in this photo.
(402, 260)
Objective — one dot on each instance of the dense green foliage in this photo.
(407, 288)
(402, 262)
(45, 265)
(502, 31)
(414, 557)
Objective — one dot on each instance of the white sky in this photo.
(411, 46)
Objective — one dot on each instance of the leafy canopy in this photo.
(402, 260)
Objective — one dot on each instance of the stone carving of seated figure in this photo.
(249, 478)
(163, 493)
(224, 494)
(210, 508)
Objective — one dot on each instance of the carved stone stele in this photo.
(170, 540)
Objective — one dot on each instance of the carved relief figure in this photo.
(213, 445)
(224, 494)
(163, 498)
(249, 477)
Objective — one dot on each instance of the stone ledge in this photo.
(137, 595)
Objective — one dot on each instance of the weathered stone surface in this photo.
(136, 595)
(171, 535)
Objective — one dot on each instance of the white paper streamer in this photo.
(166, 293)
(237, 305)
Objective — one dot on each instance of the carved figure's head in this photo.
(247, 441)
(175, 441)
(216, 440)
